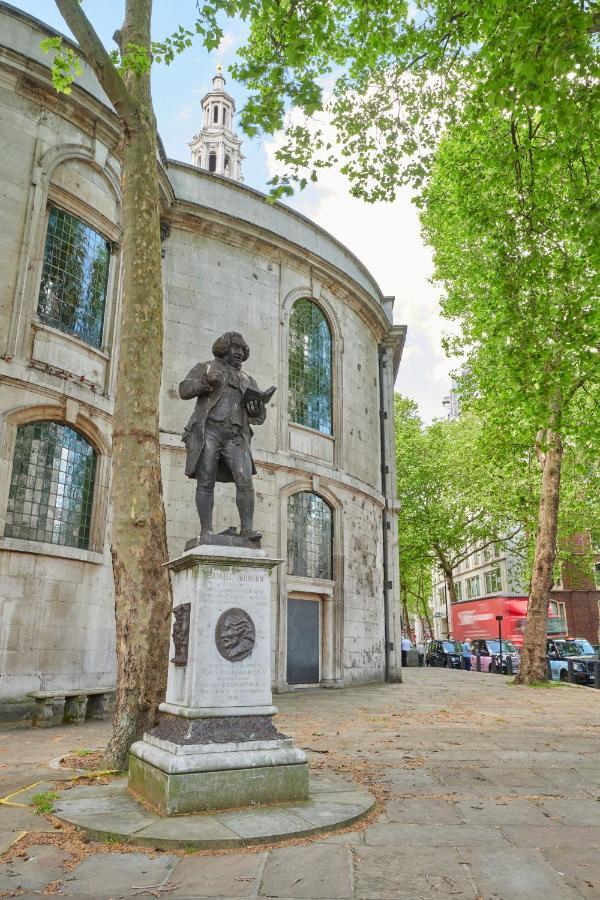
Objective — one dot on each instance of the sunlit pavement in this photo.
(487, 789)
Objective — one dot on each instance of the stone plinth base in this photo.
(176, 779)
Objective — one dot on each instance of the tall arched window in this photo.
(309, 536)
(52, 485)
(74, 277)
(310, 375)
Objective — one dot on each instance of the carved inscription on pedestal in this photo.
(181, 633)
(235, 634)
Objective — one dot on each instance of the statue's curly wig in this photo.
(222, 344)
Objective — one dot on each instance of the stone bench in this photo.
(80, 704)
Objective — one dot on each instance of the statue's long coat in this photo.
(196, 384)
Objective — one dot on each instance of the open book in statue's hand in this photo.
(254, 395)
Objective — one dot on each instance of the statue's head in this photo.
(232, 347)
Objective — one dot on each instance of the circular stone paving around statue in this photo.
(108, 811)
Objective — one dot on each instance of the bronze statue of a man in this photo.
(218, 435)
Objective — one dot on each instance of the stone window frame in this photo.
(328, 591)
(69, 414)
(44, 194)
(315, 294)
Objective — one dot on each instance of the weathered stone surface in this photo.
(41, 866)
(19, 818)
(201, 831)
(578, 866)
(382, 873)
(264, 823)
(423, 812)
(194, 791)
(515, 873)
(488, 813)
(117, 874)
(310, 872)
(582, 812)
(218, 876)
(552, 836)
(433, 835)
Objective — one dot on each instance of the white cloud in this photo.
(184, 114)
(386, 238)
(227, 42)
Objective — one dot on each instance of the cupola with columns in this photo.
(216, 147)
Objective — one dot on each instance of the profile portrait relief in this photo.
(235, 634)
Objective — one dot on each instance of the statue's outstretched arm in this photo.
(195, 383)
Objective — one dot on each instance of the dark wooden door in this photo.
(303, 641)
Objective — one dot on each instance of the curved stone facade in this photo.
(232, 261)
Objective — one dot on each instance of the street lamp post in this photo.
(499, 621)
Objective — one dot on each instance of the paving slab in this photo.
(515, 873)
(201, 832)
(22, 818)
(383, 873)
(423, 812)
(579, 867)
(42, 865)
(580, 812)
(234, 875)
(116, 875)
(433, 835)
(312, 872)
(325, 814)
(264, 823)
(8, 838)
(487, 813)
(552, 836)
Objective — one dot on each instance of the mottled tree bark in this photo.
(139, 548)
(534, 666)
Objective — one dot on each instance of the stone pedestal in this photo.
(216, 746)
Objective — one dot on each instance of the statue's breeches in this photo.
(224, 444)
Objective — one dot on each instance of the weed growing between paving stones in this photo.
(44, 802)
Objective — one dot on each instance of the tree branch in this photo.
(100, 61)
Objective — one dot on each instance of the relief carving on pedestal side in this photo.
(181, 633)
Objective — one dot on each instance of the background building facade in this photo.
(317, 325)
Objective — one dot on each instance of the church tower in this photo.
(217, 147)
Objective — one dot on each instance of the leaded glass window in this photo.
(310, 394)
(309, 536)
(74, 277)
(52, 486)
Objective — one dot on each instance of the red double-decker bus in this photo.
(477, 619)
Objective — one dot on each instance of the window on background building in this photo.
(212, 162)
(74, 277)
(441, 595)
(597, 574)
(458, 590)
(216, 114)
(472, 587)
(487, 553)
(52, 486)
(309, 536)
(493, 581)
(310, 369)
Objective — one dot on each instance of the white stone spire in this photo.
(217, 147)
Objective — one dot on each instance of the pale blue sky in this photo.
(384, 236)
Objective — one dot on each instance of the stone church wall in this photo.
(231, 262)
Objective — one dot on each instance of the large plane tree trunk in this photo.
(139, 548)
(534, 666)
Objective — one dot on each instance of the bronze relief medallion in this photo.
(235, 634)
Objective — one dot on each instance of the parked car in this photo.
(561, 650)
(444, 653)
(486, 648)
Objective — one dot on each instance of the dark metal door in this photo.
(302, 641)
